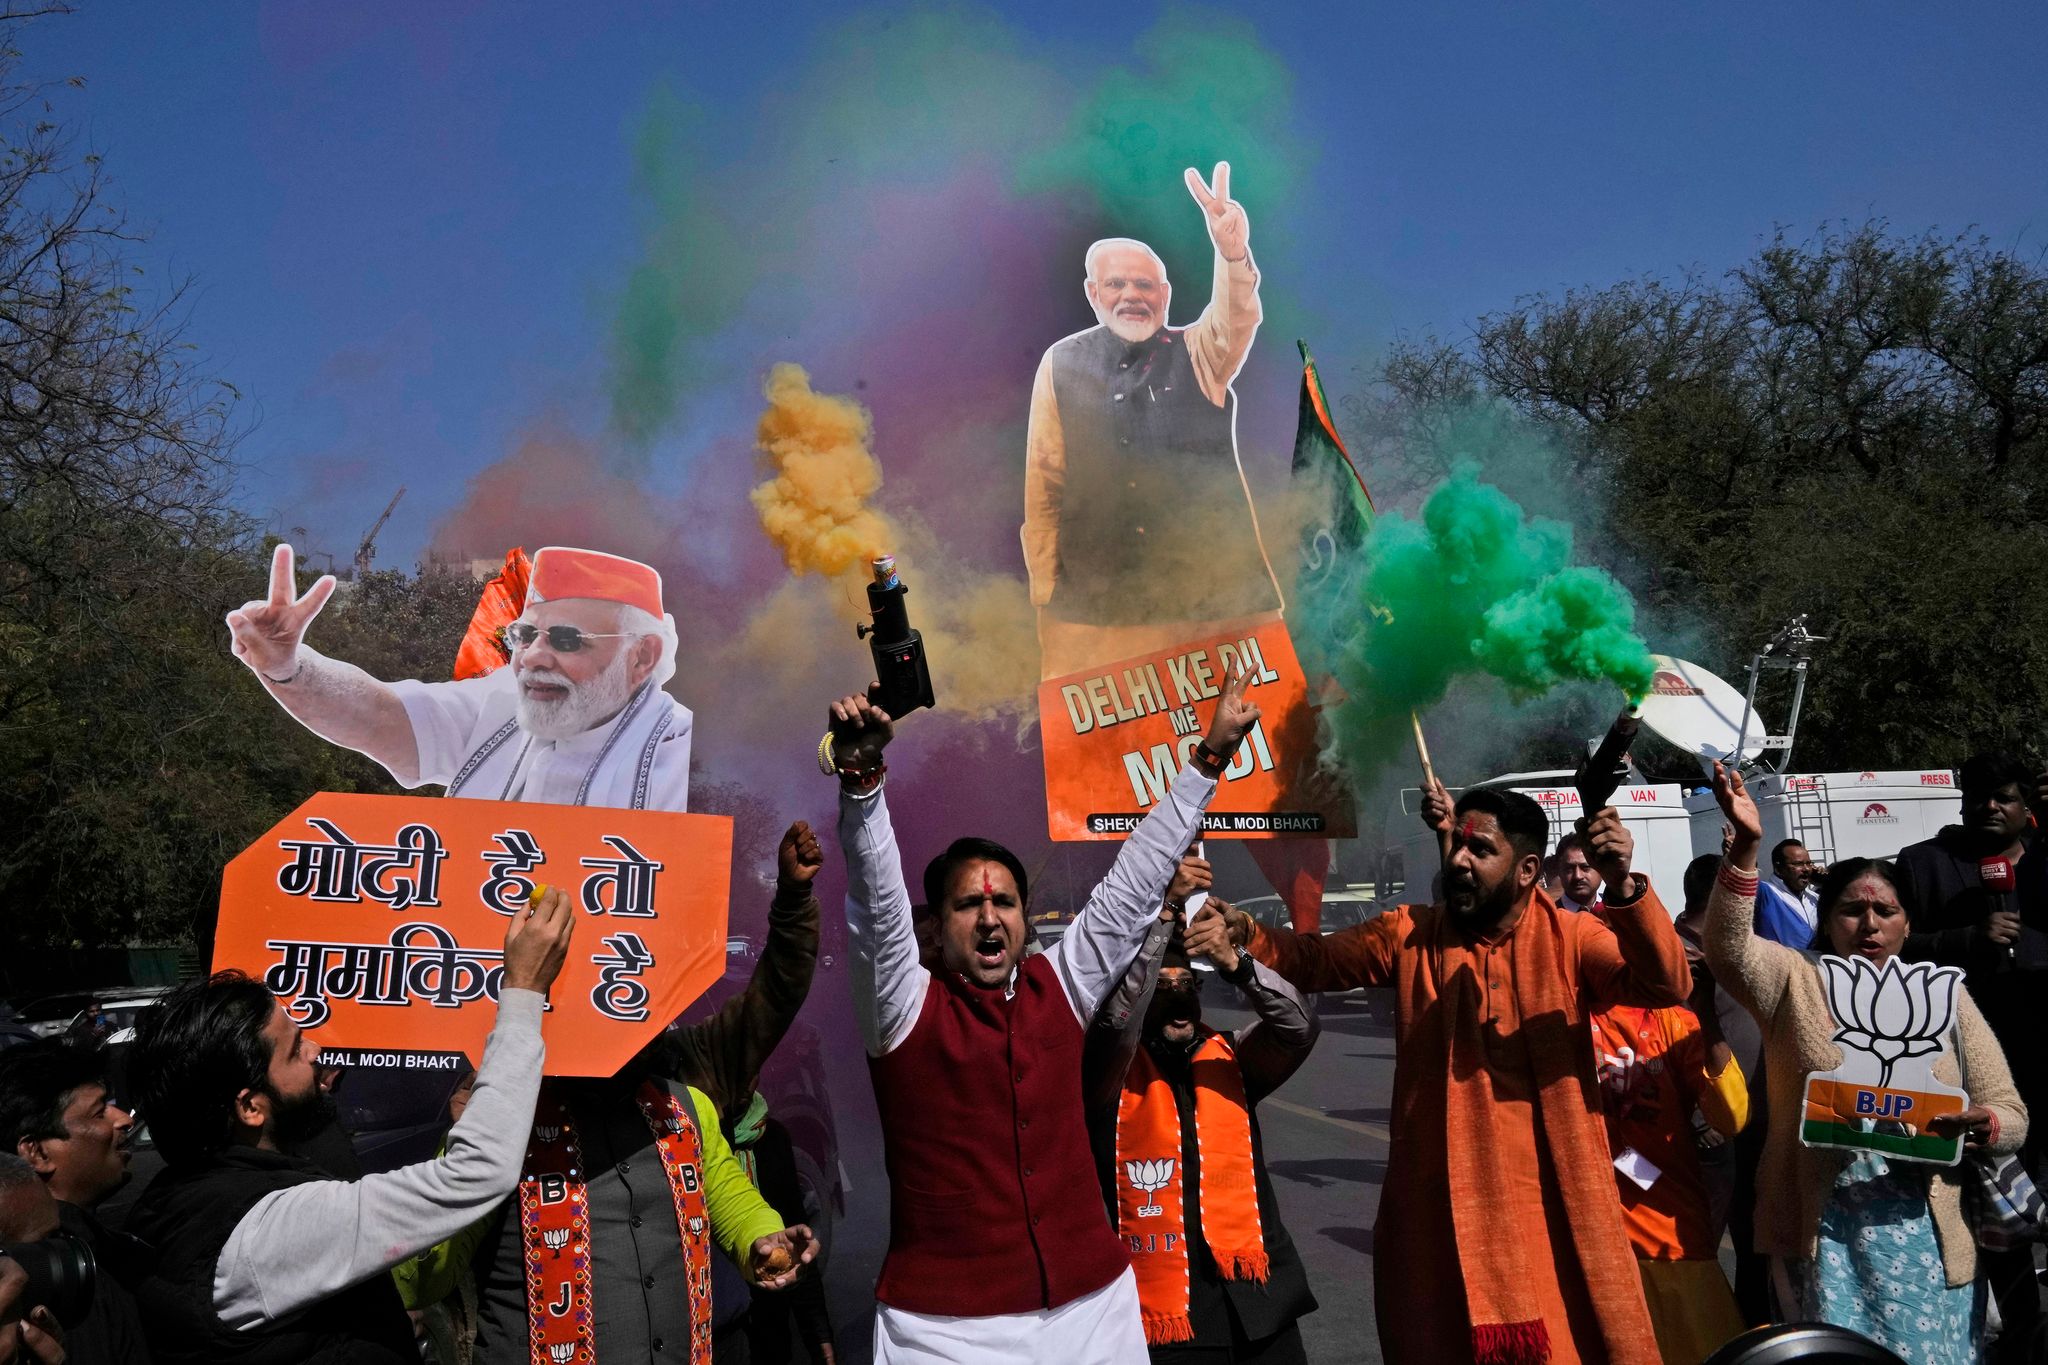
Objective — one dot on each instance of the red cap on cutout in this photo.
(560, 572)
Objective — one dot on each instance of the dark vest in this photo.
(1153, 509)
(187, 1215)
(1260, 1310)
(639, 1292)
(987, 1147)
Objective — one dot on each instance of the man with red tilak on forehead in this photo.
(1500, 1239)
(1000, 1253)
(578, 718)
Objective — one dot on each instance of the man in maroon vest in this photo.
(998, 1253)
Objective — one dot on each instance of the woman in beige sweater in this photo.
(1881, 1246)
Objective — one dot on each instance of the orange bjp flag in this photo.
(504, 597)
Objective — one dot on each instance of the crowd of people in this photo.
(1592, 1095)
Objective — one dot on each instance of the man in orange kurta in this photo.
(1500, 1237)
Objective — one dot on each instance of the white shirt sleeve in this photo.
(889, 983)
(444, 716)
(1094, 952)
(311, 1241)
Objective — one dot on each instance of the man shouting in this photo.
(578, 718)
(1500, 1237)
(999, 1252)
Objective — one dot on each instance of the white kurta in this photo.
(1103, 1328)
(470, 741)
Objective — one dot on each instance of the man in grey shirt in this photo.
(261, 1260)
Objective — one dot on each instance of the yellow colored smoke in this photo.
(980, 633)
(815, 508)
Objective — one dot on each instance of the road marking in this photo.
(1371, 1130)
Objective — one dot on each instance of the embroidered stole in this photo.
(554, 1226)
(1151, 1209)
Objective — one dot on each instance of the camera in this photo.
(61, 1276)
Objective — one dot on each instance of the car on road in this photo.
(101, 1013)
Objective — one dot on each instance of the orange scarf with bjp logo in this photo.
(1151, 1208)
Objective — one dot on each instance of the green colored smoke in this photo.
(1203, 88)
(1475, 587)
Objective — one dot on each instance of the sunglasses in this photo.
(561, 639)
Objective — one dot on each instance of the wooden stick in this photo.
(1422, 750)
(1443, 836)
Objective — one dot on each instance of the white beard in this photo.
(585, 708)
(1128, 329)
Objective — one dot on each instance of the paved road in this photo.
(1326, 1144)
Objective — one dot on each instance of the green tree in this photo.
(140, 757)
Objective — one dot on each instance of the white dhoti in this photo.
(470, 742)
(1102, 1328)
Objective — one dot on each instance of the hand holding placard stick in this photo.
(1433, 793)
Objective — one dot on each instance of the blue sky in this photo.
(407, 225)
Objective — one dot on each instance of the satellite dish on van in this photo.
(1699, 713)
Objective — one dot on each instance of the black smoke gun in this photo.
(1603, 771)
(903, 681)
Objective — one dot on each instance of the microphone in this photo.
(1996, 874)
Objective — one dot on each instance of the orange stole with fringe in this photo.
(1151, 1193)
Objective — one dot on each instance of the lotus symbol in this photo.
(696, 1226)
(1894, 1012)
(555, 1238)
(561, 1352)
(547, 1132)
(1151, 1177)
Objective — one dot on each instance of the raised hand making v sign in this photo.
(1228, 227)
(589, 652)
(335, 700)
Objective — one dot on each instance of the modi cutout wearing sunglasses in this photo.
(578, 717)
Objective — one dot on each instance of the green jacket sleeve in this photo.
(739, 1215)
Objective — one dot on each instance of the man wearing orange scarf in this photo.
(1178, 1150)
(1500, 1239)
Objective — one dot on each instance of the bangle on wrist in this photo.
(1208, 760)
(293, 677)
(861, 781)
(1637, 884)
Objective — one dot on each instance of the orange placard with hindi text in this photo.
(1115, 736)
(379, 921)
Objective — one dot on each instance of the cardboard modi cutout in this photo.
(379, 921)
(1892, 1023)
(1146, 564)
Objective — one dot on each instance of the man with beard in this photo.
(2002, 944)
(1130, 421)
(1500, 1240)
(260, 1260)
(993, 1255)
(1179, 1152)
(58, 1118)
(578, 717)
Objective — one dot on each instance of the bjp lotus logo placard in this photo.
(1892, 1023)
